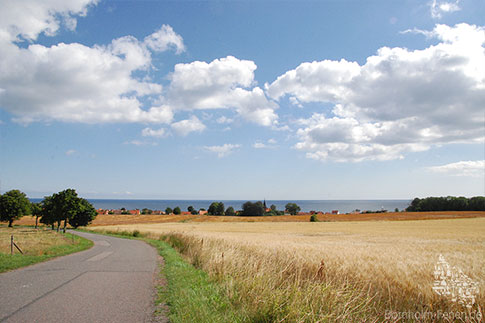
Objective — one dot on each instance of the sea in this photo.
(343, 206)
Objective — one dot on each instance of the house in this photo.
(135, 212)
(185, 213)
(202, 212)
(335, 212)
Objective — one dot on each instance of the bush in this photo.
(136, 233)
(313, 218)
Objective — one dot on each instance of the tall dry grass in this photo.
(317, 272)
(32, 242)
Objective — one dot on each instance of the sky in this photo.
(262, 99)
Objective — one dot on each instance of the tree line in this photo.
(64, 208)
(449, 203)
(248, 209)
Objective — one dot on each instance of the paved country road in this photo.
(111, 282)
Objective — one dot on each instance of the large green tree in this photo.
(14, 204)
(230, 211)
(68, 207)
(292, 208)
(84, 215)
(253, 209)
(216, 208)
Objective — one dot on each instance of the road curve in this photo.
(111, 282)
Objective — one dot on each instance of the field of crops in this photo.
(336, 270)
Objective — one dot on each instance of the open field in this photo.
(37, 245)
(331, 271)
(103, 219)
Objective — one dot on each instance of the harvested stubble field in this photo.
(332, 271)
(104, 219)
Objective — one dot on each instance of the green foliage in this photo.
(168, 211)
(136, 233)
(68, 207)
(273, 211)
(146, 211)
(190, 208)
(190, 293)
(84, 215)
(449, 203)
(216, 208)
(292, 208)
(313, 218)
(252, 209)
(230, 211)
(36, 210)
(13, 205)
(177, 211)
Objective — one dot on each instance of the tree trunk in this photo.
(65, 223)
(58, 225)
(52, 225)
(36, 220)
(10, 223)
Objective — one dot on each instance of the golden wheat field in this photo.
(334, 271)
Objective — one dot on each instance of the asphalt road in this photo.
(111, 282)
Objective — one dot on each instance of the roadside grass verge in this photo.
(189, 292)
(37, 245)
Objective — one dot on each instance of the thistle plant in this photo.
(452, 283)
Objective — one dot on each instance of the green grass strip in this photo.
(10, 262)
(189, 293)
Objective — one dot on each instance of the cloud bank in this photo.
(399, 101)
(462, 168)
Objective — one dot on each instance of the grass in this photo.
(189, 292)
(330, 271)
(37, 245)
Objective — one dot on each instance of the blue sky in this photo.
(243, 99)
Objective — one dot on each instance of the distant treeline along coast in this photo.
(260, 208)
(67, 207)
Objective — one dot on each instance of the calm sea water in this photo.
(343, 206)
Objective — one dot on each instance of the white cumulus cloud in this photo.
(184, 127)
(158, 133)
(73, 82)
(438, 8)
(473, 168)
(223, 150)
(224, 83)
(259, 144)
(398, 101)
(164, 39)
(27, 19)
